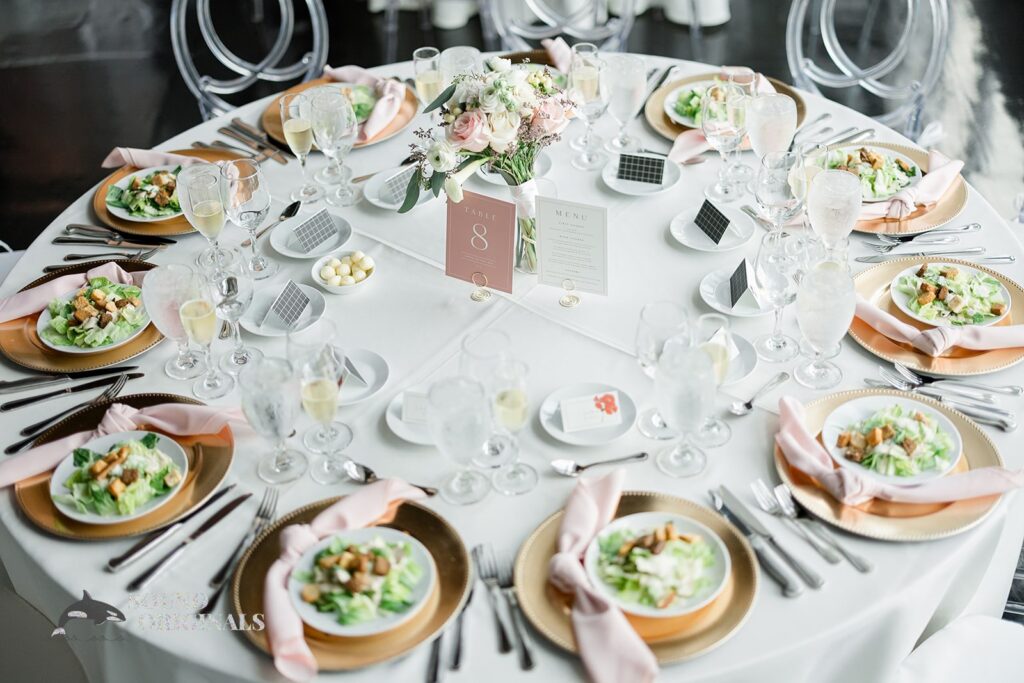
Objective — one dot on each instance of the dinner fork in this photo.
(977, 412)
(906, 239)
(784, 495)
(264, 515)
(767, 502)
(140, 255)
(918, 381)
(515, 613)
(1007, 389)
(487, 569)
(937, 239)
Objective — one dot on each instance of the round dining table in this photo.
(857, 627)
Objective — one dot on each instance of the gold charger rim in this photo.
(820, 504)
(912, 358)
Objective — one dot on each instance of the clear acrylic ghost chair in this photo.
(909, 96)
(208, 90)
(518, 25)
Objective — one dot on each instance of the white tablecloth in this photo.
(857, 628)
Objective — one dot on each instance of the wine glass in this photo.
(774, 276)
(480, 355)
(589, 90)
(167, 288)
(833, 206)
(587, 52)
(335, 128)
(199, 194)
(780, 188)
(771, 123)
(232, 289)
(627, 85)
(270, 402)
(426, 65)
(723, 122)
(199, 319)
(712, 336)
(320, 365)
(744, 78)
(247, 200)
(298, 132)
(459, 60)
(659, 322)
(684, 387)
(512, 411)
(825, 304)
(460, 422)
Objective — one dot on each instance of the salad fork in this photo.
(918, 381)
(515, 614)
(1008, 389)
(140, 255)
(784, 495)
(487, 570)
(905, 239)
(766, 501)
(938, 239)
(985, 415)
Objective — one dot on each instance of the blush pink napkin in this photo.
(942, 171)
(144, 158)
(936, 340)
(173, 418)
(390, 94)
(292, 655)
(806, 454)
(36, 299)
(611, 650)
(559, 53)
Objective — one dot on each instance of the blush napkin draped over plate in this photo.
(936, 340)
(33, 300)
(390, 94)
(145, 158)
(370, 505)
(611, 650)
(805, 453)
(172, 418)
(942, 171)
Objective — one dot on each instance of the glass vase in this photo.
(525, 197)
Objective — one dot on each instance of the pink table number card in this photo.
(572, 245)
(480, 242)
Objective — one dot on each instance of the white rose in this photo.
(517, 76)
(504, 130)
(442, 156)
(500, 64)
(465, 91)
(490, 100)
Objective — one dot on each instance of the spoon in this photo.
(741, 408)
(361, 474)
(571, 468)
(288, 212)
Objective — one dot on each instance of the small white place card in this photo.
(572, 244)
(741, 288)
(312, 232)
(415, 406)
(590, 412)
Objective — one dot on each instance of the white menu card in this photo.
(572, 244)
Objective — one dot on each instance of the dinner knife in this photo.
(269, 148)
(783, 576)
(882, 258)
(11, 386)
(980, 414)
(22, 402)
(258, 147)
(146, 577)
(106, 242)
(218, 145)
(157, 537)
(260, 135)
(101, 231)
(740, 511)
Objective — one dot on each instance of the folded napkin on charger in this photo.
(390, 94)
(172, 418)
(936, 340)
(611, 650)
(36, 299)
(370, 504)
(942, 171)
(145, 158)
(805, 453)
(559, 53)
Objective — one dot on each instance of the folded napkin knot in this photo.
(145, 158)
(559, 53)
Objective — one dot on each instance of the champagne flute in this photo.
(833, 206)
(744, 78)
(714, 339)
(588, 52)
(460, 423)
(247, 200)
(480, 355)
(588, 88)
(825, 304)
(659, 322)
(167, 288)
(627, 86)
(774, 277)
(723, 122)
(320, 365)
(199, 192)
(511, 411)
(683, 388)
(780, 187)
(270, 402)
(771, 123)
(298, 132)
(232, 289)
(426, 64)
(199, 319)
(335, 128)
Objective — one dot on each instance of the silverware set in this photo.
(498, 579)
(39, 398)
(256, 140)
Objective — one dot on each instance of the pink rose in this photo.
(470, 131)
(549, 118)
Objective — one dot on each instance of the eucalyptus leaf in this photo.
(442, 98)
(436, 183)
(412, 193)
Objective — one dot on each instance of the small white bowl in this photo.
(342, 289)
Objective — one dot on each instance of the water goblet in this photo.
(712, 336)
(825, 304)
(833, 206)
(167, 288)
(627, 85)
(659, 322)
(460, 422)
(480, 355)
(298, 132)
(774, 277)
(683, 388)
(723, 122)
(335, 129)
(779, 187)
(459, 60)
(247, 201)
(771, 123)
(270, 402)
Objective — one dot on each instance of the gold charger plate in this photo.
(334, 653)
(271, 118)
(20, 344)
(209, 458)
(671, 640)
(654, 110)
(922, 219)
(873, 285)
(178, 225)
(895, 521)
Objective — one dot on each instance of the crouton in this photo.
(106, 319)
(949, 272)
(310, 593)
(121, 303)
(888, 432)
(919, 416)
(875, 436)
(904, 166)
(363, 566)
(659, 534)
(909, 445)
(80, 303)
(843, 441)
(116, 488)
(134, 301)
(136, 183)
(998, 309)
(348, 560)
(670, 531)
(955, 302)
(98, 296)
(97, 469)
(923, 270)
(926, 298)
(110, 307)
(625, 548)
(359, 582)
(928, 288)
(943, 293)
(82, 315)
(381, 566)
(328, 561)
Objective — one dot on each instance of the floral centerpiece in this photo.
(502, 118)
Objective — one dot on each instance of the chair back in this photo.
(517, 25)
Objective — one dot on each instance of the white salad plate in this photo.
(647, 521)
(262, 300)
(123, 184)
(852, 412)
(284, 242)
(541, 167)
(327, 622)
(885, 152)
(685, 231)
(670, 102)
(902, 300)
(375, 186)
(714, 290)
(101, 445)
(636, 188)
(44, 321)
(372, 367)
(551, 415)
(413, 432)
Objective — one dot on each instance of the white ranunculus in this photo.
(466, 90)
(442, 156)
(500, 64)
(453, 183)
(490, 100)
(517, 76)
(504, 130)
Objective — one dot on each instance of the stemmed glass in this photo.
(480, 356)
(774, 275)
(247, 200)
(683, 388)
(320, 365)
(627, 85)
(167, 288)
(744, 78)
(459, 60)
(589, 90)
(659, 322)
(833, 207)
(426, 64)
(199, 192)
(232, 288)
(298, 132)
(460, 422)
(712, 336)
(771, 123)
(587, 52)
(723, 122)
(780, 187)
(512, 411)
(199, 318)
(335, 128)
(825, 304)
(270, 402)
